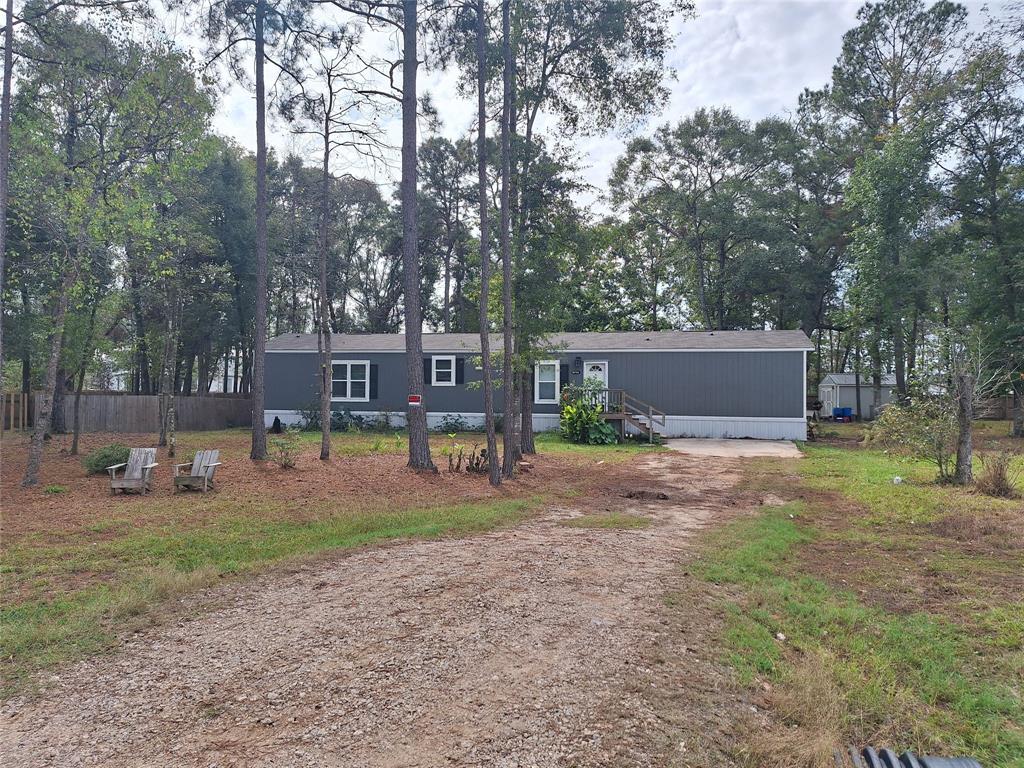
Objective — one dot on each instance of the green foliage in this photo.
(926, 429)
(55, 489)
(284, 449)
(938, 676)
(581, 421)
(341, 421)
(97, 461)
(452, 422)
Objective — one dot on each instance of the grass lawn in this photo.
(80, 566)
(868, 612)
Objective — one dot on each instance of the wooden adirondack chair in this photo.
(138, 472)
(200, 475)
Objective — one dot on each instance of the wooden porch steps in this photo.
(621, 407)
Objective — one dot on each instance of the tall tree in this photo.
(493, 469)
(984, 184)
(5, 151)
(114, 104)
(284, 26)
(331, 112)
(894, 76)
(510, 448)
(416, 415)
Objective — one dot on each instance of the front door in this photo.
(595, 372)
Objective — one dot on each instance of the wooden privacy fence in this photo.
(119, 412)
(995, 408)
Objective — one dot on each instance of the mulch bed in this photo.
(312, 490)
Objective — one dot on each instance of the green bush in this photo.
(925, 428)
(341, 421)
(284, 449)
(581, 422)
(96, 462)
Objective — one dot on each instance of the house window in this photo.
(350, 381)
(545, 382)
(442, 371)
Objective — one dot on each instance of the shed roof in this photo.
(849, 380)
(601, 341)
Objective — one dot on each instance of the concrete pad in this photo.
(734, 449)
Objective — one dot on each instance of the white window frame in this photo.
(536, 382)
(433, 371)
(348, 380)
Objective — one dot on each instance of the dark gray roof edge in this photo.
(595, 341)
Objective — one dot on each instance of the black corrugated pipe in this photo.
(886, 758)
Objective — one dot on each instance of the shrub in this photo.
(96, 462)
(925, 429)
(452, 422)
(581, 422)
(284, 449)
(52, 489)
(341, 421)
(997, 476)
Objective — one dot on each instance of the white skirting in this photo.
(724, 427)
(717, 427)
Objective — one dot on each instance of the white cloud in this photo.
(755, 56)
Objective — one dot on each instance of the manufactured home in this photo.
(693, 383)
(839, 390)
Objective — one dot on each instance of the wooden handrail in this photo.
(620, 401)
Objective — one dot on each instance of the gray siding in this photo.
(731, 384)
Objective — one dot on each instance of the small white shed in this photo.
(839, 390)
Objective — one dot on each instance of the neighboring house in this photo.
(709, 384)
(839, 390)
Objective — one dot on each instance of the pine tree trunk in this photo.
(526, 441)
(5, 145)
(1018, 406)
(416, 415)
(965, 383)
(45, 412)
(493, 469)
(259, 428)
(324, 327)
(509, 446)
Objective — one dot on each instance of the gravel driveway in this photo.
(518, 647)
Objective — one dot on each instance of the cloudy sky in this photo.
(755, 56)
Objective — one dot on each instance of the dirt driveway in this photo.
(530, 646)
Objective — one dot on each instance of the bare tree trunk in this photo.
(82, 365)
(493, 469)
(324, 326)
(856, 383)
(526, 441)
(166, 378)
(964, 475)
(5, 145)
(259, 428)
(45, 412)
(509, 422)
(77, 417)
(58, 424)
(416, 415)
(1018, 406)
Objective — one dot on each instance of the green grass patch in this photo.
(866, 476)
(918, 680)
(552, 442)
(149, 565)
(608, 520)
